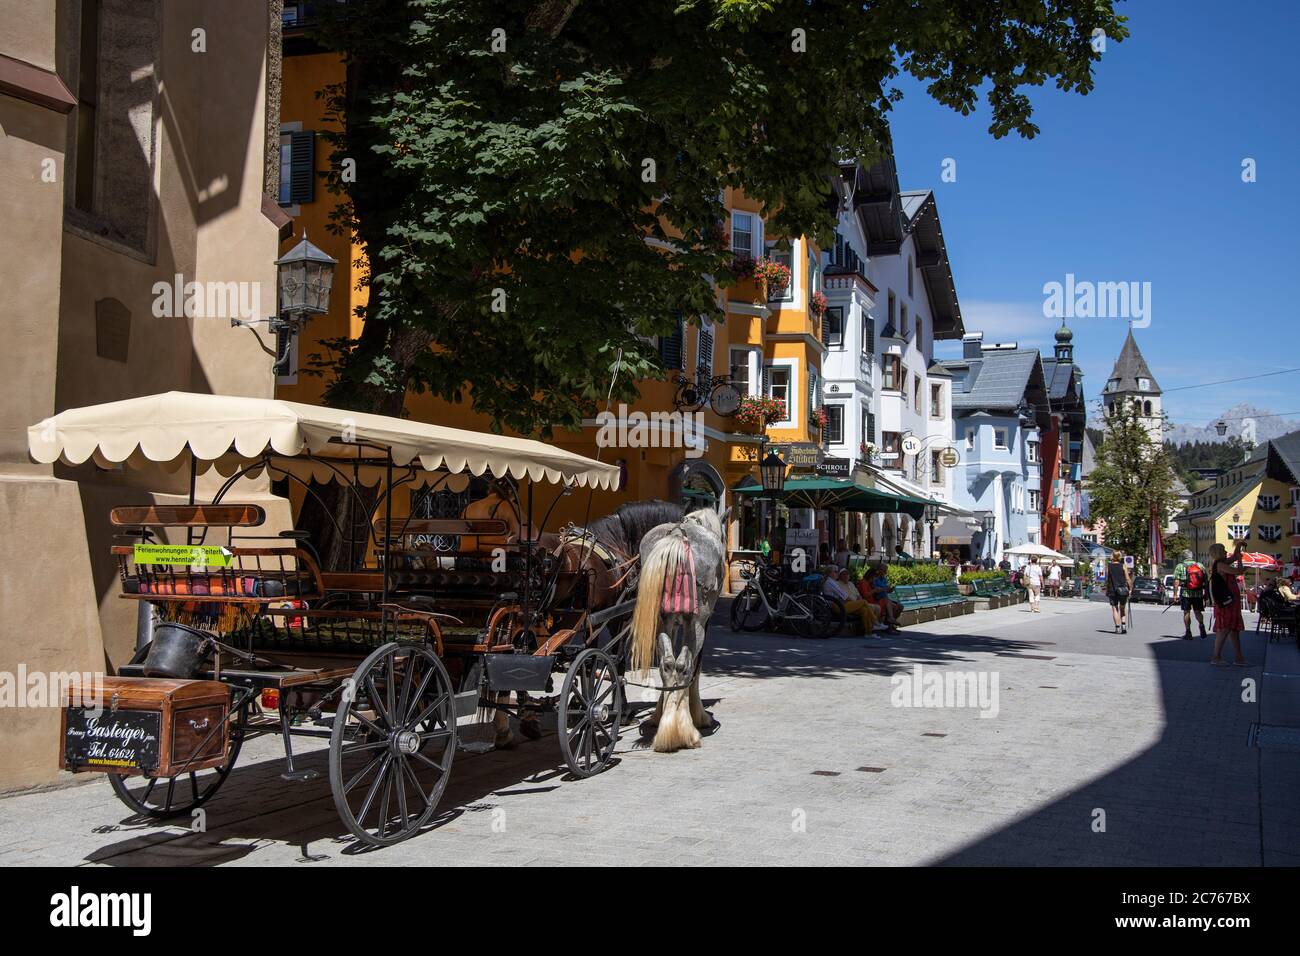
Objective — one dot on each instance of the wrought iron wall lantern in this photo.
(718, 392)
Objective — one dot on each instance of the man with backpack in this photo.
(1190, 581)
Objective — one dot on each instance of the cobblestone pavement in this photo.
(1105, 749)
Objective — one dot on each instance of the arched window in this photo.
(1146, 408)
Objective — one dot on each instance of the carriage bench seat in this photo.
(210, 584)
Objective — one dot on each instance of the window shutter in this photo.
(671, 350)
(302, 167)
(704, 353)
(826, 327)
(868, 335)
(812, 389)
(871, 428)
(283, 366)
(766, 387)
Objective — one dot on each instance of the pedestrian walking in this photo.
(1033, 578)
(1054, 579)
(1225, 592)
(1119, 585)
(1190, 584)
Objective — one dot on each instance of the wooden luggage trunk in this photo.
(158, 727)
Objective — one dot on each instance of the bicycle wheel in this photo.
(748, 612)
(824, 618)
(828, 612)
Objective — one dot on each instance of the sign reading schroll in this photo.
(836, 467)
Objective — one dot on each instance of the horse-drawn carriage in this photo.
(430, 623)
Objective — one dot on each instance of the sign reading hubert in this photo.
(803, 455)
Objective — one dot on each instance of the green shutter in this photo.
(302, 167)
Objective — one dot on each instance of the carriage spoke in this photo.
(415, 781)
(418, 696)
(407, 676)
(400, 782)
(363, 747)
(441, 768)
(383, 804)
(390, 691)
(424, 714)
(374, 701)
(369, 724)
(194, 785)
(374, 787)
(361, 773)
(171, 791)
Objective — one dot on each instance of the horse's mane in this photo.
(624, 529)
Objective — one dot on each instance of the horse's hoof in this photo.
(532, 729)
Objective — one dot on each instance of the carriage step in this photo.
(299, 776)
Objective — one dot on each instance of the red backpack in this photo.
(1195, 577)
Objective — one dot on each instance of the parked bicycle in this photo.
(768, 600)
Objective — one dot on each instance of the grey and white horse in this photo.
(667, 553)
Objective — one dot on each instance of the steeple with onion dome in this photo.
(1064, 344)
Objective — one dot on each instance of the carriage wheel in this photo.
(163, 797)
(392, 744)
(591, 708)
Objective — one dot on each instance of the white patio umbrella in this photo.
(1033, 549)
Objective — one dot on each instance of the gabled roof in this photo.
(1001, 381)
(1129, 367)
(1284, 458)
(921, 218)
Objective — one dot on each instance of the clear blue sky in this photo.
(1140, 181)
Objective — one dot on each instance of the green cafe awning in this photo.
(841, 493)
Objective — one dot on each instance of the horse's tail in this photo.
(658, 566)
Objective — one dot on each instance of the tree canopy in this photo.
(538, 186)
(1132, 474)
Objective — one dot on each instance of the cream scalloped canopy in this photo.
(231, 432)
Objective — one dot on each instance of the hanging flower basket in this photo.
(774, 275)
(757, 412)
(818, 418)
(817, 305)
(867, 451)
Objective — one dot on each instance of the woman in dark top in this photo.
(1119, 584)
(1226, 595)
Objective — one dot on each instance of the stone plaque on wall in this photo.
(112, 330)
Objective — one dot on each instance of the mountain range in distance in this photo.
(1267, 425)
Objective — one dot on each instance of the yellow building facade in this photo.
(1245, 503)
(762, 346)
